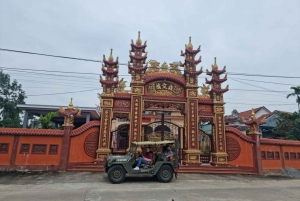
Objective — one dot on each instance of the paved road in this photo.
(86, 186)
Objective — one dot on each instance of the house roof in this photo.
(246, 114)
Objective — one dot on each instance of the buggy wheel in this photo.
(116, 174)
(165, 174)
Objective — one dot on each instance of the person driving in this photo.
(144, 159)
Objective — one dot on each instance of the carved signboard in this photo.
(164, 88)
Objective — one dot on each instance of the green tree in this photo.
(11, 94)
(288, 126)
(45, 121)
(297, 94)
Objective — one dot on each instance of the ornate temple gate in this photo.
(164, 87)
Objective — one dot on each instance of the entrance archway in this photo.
(205, 146)
(120, 138)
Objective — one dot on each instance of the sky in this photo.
(252, 37)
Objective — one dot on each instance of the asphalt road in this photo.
(86, 186)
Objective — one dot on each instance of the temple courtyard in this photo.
(90, 186)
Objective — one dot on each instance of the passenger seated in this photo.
(166, 154)
(144, 159)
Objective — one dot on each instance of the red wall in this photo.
(246, 155)
(38, 159)
(271, 163)
(77, 152)
(5, 158)
(292, 163)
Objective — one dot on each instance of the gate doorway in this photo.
(120, 139)
(205, 146)
(153, 132)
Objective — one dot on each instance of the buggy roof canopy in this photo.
(150, 142)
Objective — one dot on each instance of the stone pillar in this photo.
(25, 120)
(105, 132)
(219, 154)
(192, 152)
(70, 113)
(88, 118)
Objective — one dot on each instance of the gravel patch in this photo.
(290, 172)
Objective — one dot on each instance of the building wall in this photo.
(261, 112)
(6, 156)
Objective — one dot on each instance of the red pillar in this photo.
(257, 152)
(65, 150)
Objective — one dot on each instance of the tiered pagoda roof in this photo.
(138, 56)
(190, 63)
(110, 69)
(216, 81)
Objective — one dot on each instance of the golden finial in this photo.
(201, 69)
(70, 105)
(225, 77)
(224, 69)
(253, 115)
(199, 47)
(190, 46)
(111, 58)
(200, 58)
(139, 41)
(215, 66)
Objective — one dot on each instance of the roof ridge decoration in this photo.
(174, 68)
(70, 113)
(204, 91)
(154, 67)
(121, 86)
(164, 67)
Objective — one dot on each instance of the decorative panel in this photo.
(53, 150)
(270, 155)
(4, 148)
(293, 155)
(164, 88)
(233, 148)
(286, 156)
(24, 148)
(105, 127)
(91, 144)
(193, 121)
(263, 155)
(39, 149)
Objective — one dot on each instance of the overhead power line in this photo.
(99, 61)
(70, 92)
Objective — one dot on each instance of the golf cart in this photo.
(118, 166)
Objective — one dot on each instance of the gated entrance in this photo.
(205, 146)
(120, 138)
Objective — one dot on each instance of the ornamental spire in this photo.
(71, 104)
(139, 41)
(111, 58)
(215, 66)
(190, 45)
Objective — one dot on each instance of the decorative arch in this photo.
(167, 76)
